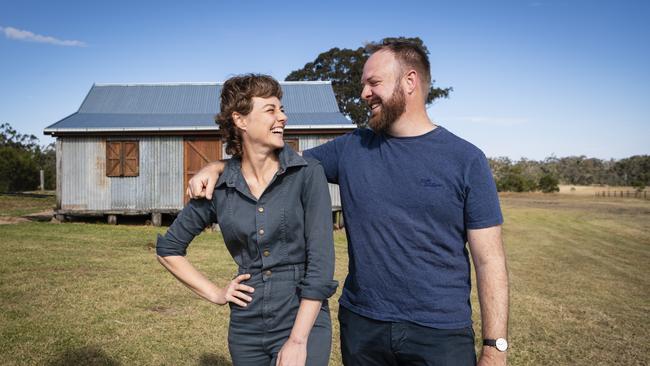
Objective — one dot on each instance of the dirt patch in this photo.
(163, 310)
(45, 215)
(7, 220)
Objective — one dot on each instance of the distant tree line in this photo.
(21, 159)
(531, 175)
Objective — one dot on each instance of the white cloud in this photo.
(27, 36)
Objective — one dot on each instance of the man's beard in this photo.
(391, 110)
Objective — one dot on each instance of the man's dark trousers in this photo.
(369, 342)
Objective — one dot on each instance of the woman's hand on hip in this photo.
(292, 353)
(235, 292)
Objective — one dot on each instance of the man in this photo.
(412, 194)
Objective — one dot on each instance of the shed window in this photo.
(122, 158)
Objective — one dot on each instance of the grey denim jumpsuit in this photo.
(284, 240)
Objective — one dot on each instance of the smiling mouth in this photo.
(374, 105)
(277, 130)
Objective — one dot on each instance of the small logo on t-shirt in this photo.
(428, 182)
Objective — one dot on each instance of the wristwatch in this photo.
(500, 343)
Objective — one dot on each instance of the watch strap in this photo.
(490, 342)
(500, 344)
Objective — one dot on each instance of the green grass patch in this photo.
(16, 205)
(94, 294)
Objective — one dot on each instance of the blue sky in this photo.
(530, 78)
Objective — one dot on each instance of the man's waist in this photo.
(458, 317)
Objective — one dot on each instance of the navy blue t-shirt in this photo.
(408, 203)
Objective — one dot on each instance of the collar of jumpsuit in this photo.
(232, 176)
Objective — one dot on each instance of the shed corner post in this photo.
(58, 148)
(156, 218)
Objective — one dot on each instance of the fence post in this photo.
(42, 180)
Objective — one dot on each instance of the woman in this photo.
(274, 210)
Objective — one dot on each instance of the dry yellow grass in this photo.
(591, 190)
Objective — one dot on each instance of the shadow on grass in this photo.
(210, 359)
(84, 356)
(93, 356)
(124, 220)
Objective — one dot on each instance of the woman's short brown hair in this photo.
(237, 96)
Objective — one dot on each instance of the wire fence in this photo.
(623, 194)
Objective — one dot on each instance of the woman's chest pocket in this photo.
(272, 218)
(235, 216)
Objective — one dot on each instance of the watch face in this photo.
(502, 344)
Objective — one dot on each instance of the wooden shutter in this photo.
(122, 159)
(113, 159)
(131, 160)
(197, 152)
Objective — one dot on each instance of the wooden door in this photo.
(197, 152)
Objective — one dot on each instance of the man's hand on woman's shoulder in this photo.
(201, 185)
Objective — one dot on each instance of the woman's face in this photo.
(264, 125)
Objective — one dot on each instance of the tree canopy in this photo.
(344, 67)
(21, 158)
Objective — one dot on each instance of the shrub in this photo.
(548, 183)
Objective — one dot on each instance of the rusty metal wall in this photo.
(84, 185)
(159, 186)
(167, 157)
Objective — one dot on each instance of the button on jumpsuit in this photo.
(284, 240)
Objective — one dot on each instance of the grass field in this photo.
(12, 205)
(80, 293)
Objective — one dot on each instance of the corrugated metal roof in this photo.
(190, 106)
(80, 122)
(161, 99)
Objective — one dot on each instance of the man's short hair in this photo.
(409, 55)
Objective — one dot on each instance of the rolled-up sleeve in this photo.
(318, 283)
(194, 218)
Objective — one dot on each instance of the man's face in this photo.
(382, 90)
